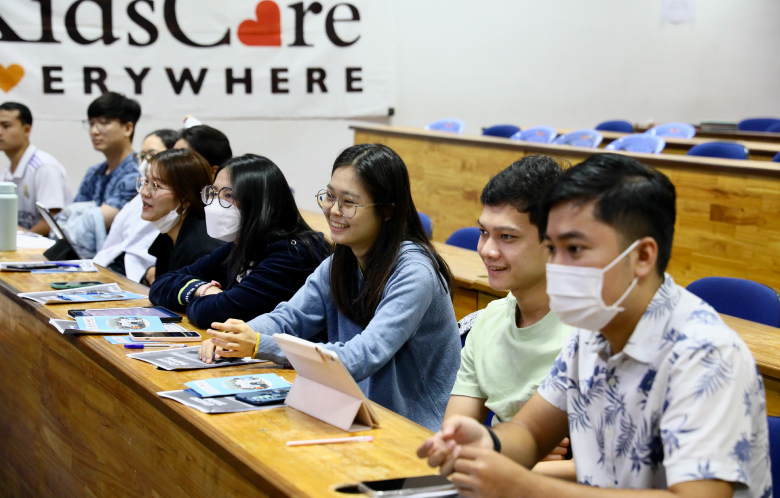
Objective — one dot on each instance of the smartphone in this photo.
(187, 336)
(31, 266)
(72, 285)
(269, 397)
(165, 315)
(409, 486)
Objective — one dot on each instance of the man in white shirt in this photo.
(660, 397)
(38, 175)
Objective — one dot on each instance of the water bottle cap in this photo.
(7, 188)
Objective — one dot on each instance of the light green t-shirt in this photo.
(504, 364)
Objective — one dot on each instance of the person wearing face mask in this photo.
(171, 202)
(126, 249)
(270, 250)
(660, 396)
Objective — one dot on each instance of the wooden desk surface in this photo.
(759, 151)
(79, 418)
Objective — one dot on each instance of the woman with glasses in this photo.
(171, 202)
(270, 251)
(126, 249)
(383, 297)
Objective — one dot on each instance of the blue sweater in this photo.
(406, 359)
(281, 270)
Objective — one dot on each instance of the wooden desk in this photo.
(759, 151)
(728, 212)
(735, 135)
(78, 418)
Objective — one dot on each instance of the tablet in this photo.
(64, 248)
(165, 315)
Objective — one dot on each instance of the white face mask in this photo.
(222, 223)
(575, 294)
(167, 222)
(143, 167)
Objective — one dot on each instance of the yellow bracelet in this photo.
(257, 345)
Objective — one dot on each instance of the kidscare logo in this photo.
(261, 28)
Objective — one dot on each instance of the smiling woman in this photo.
(171, 202)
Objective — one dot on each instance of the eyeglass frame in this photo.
(146, 156)
(339, 202)
(101, 123)
(215, 193)
(152, 187)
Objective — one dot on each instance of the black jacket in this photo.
(281, 270)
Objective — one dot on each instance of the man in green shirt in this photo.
(515, 340)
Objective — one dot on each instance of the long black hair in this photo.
(268, 212)
(384, 176)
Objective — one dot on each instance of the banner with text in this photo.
(209, 58)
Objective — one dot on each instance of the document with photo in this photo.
(186, 359)
(71, 327)
(227, 404)
(120, 324)
(237, 384)
(92, 294)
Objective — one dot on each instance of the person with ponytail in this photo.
(383, 296)
(270, 249)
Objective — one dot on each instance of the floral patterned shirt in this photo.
(683, 401)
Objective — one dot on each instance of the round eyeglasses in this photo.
(100, 123)
(146, 156)
(151, 187)
(225, 196)
(347, 204)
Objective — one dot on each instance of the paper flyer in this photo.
(213, 405)
(120, 324)
(70, 327)
(186, 359)
(68, 266)
(92, 294)
(237, 384)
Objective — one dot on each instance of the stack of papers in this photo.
(80, 326)
(91, 294)
(215, 395)
(68, 266)
(186, 359)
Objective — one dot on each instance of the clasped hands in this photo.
(463, 450)
(232, 339)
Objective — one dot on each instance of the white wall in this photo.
(566, 63)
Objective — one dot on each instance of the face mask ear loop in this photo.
(622, 255)
(616, 305)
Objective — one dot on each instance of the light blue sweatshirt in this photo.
(406, 359)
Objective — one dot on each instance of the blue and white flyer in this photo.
(237, 384)
(120, 324)
(90, 294)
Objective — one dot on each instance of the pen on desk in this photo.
(73, 265)
(355, 439)
(142, 346)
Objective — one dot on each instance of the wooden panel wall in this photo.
(728, 222)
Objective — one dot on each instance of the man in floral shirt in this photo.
(656, 391)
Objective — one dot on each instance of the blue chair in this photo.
(639, 142)
(776, 159)
(449, 125)
(738, 297)
(467, 238)
(773, 424)
(757, 124)
(580, 138)
(725, 150)
(618, 125)
(672, 130)
(503, 131)
(539, 134)
(775, 128)
(427, 224)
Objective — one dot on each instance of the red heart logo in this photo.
(266, 31)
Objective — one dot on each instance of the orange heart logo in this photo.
(10, 77)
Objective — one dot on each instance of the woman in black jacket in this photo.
(271, 249)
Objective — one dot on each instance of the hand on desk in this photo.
(237, 340)
(458, 431)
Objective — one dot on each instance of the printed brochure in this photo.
(92, 294)
(186, 359)
(237, 384)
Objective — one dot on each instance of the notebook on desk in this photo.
(324, 388)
